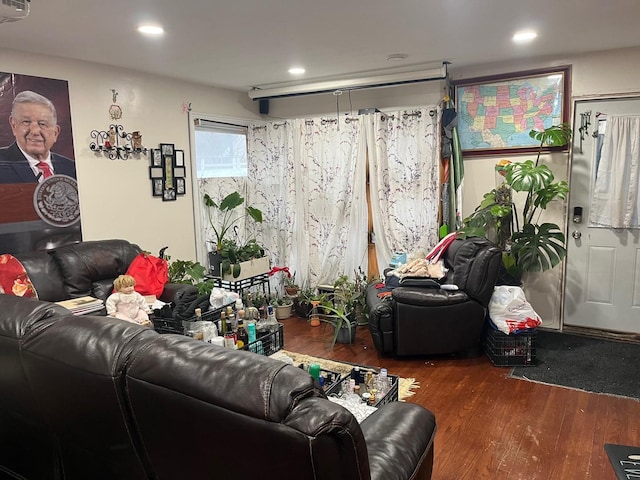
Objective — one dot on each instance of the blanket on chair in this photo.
(14, 279)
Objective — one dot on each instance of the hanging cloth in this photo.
(452, 150)
(615, 202)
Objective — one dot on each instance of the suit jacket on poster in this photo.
(14, 167)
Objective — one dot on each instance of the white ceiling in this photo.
(239, 44)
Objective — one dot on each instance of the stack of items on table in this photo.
(509, 339)
(82, 305)
(230, 325)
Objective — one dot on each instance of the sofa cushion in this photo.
(84, 263)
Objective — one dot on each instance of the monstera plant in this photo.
(527, 246)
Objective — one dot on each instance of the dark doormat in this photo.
(624, 459)
(584, 363)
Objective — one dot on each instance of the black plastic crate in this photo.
(516, 349)
(390, 396)
(172, 325)
(330, 378)
(267, 343)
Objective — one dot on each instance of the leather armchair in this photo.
(428, 320)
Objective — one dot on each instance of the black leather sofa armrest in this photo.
(399, 438)
(428, 297)
(171, 289)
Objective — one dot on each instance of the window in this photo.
(220, 149)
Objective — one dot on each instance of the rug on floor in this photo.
(406, 386)
(625, 460)
(584, 363)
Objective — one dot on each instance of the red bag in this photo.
(151, 274)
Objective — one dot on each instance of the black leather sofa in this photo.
(84, 269)
(423, 319)
(89, 397)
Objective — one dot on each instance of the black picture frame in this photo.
(181, 186)
(179, 158)
(156, 172)
(167, 149)
(179, 172)
(169, 195)
(156, 157)
(487, 104)
(157, 185)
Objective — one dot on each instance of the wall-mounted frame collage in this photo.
(167, 172)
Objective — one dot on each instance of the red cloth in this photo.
(280, 269)
(14, 279)
(151, 274)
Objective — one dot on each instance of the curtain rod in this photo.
(378, 81)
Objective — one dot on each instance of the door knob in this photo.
(576, 234)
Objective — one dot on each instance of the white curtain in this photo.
(332, 208)
(308, 178)
(615, 201)
(404, 177)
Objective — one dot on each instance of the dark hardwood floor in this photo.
(490, 426)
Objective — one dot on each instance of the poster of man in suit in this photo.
(37, 165)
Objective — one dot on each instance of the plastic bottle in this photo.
(382, 383)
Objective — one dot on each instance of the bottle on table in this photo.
(229, 336)
(242, 335)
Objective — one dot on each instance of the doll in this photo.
(126, 303)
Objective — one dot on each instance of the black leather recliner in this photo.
(428, 320)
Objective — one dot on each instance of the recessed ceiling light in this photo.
(397, 57)
(151, 29)
(296, 70)
(524, 36)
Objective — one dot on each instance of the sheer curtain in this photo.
(271, 182)
(615, 201)
(331, 207)
(404, 177)
(308, 178)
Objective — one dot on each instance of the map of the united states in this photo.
(501, 114)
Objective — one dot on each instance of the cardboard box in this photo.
(250, 268)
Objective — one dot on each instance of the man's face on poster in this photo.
(35, 129)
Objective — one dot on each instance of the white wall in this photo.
(115, 195)
(601, 73)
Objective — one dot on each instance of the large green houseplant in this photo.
(228, 216)
(527, 245)
(229, 252)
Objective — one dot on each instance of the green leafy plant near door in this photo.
(527, 245)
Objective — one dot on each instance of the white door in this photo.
(602, 282)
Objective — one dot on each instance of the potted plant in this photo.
(232, 256)
(227, 217)
(351, 293)
(282, 306)
(290, 286)
(527, 246)
(188, 272)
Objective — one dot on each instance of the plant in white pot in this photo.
(228, 216)
(282, 306)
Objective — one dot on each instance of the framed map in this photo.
(496, 113)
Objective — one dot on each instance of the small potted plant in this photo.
(282, 306)
(290, 286)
